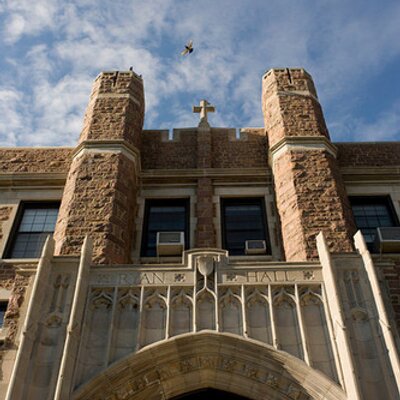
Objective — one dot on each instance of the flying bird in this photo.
(188, 48)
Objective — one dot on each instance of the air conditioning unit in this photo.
(255, 247)
(387, 240)
(170, 243)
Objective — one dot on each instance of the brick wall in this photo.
(35, 160)
(368, 154)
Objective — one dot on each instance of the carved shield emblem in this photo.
(205, 264)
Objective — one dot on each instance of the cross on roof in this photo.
(204, 108)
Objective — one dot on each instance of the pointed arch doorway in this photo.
(207, 394)
(182, 367)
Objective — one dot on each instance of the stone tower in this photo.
(100, 193)
(309, 189)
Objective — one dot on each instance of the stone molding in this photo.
(118, 95)
(302, 143)
(33, 179)
(113, 146)
(300, 93)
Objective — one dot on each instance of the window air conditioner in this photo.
(170, 243)
(387, 240)
(255, 247)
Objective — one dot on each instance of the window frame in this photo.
(3, 303)
(245, 201)
(181, 201)
(24, 205)
(370, 200)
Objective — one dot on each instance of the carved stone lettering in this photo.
(104, 278)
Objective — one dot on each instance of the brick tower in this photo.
(310, 193)
(100, 193)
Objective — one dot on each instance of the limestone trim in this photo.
(74, 326)
(32, 179)
(119, 95)
(30, 327)
(382, 316)
(259, 173)
(301, 93)
(338, 320)
(111, 146)
(301, 143)
(369, 175)
(193, 361)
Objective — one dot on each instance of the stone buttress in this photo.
(100, 193)
(310, 192)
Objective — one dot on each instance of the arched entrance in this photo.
(189, 363)
(207, 394)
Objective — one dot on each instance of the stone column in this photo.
(310, 192)
(99, 198)
(205, 233)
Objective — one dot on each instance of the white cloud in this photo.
(11, 121)
(26, 17)
(385, 126)
(57, 48)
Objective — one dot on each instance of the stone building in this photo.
(202, 261)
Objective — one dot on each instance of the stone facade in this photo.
(304, 167)
(314, 316)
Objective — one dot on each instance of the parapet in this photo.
(231, 148)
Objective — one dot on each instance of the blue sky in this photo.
(53, 49)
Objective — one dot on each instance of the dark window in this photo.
(242, 219)
(34, 223)
(371, 212)
(3, 309)
(170, 215)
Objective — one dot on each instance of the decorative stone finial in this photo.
(204, 108)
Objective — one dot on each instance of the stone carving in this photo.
(128, 299)
(228, 364)
(308, 275)
(180, 278)
(101, 299)
(293, 392)
(231, 277)
(205, 264)
(272, 381)
(359, 314)
(53, 321)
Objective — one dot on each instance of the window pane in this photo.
(3, 309)
(36, 223)
(164, 216)
(243, 219)
(371, 213)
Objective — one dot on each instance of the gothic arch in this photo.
(221, 361)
